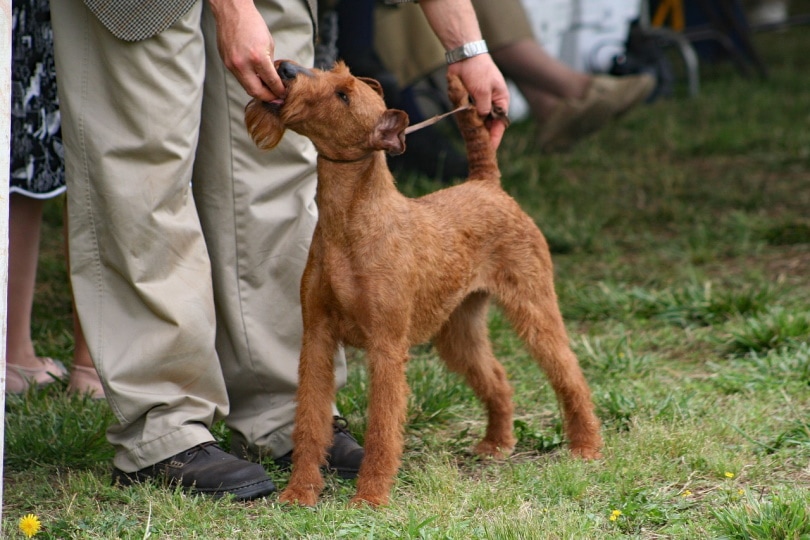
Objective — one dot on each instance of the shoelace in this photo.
(201, 447)
(341, 425)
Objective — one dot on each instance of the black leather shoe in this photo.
(343, 458)
(207, 469)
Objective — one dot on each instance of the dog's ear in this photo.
(389, 133)
(373, 83)
(264, 126)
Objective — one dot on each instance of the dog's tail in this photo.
(481, 156)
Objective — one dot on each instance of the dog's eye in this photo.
(343, 96)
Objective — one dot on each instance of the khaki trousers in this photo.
(189, 301)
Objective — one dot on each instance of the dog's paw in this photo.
(586, 452)
(489, 449)
(370, 500)
(301, 497)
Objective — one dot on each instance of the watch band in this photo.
(468, 50)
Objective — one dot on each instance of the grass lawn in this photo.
(681, 239)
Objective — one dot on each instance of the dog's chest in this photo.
(397, 294)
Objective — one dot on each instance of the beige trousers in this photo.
(189, 301)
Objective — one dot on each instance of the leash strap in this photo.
(500, 115)
(433, 120)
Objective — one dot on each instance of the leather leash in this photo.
(496, 114)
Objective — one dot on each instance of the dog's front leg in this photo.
(387, 411)
(313, 415)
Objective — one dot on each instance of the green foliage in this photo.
(538, 441)
(765, 517)
(684, 305)
(774, 329)
(48, 427)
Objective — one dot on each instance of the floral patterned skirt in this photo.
(37, 155)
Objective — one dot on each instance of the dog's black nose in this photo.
(290, 70)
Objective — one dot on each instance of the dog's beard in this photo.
(264, 123)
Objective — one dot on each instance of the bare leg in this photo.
(25, 219)
(24, 368)
(567, 104)
(542, 79)
(83, 378)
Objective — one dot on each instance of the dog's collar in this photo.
(335, 160)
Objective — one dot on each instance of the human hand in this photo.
(486, 85)
(247, 48)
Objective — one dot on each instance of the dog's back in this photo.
(483, 163)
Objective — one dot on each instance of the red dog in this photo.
(386, 272)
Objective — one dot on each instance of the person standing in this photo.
(37, 173)
(187, 242)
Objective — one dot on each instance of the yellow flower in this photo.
(686, 493)
(740, 491)
(729, 474)
(30, 525)
(615, 515)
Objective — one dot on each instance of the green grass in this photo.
(681, 239)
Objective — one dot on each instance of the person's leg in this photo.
(24, 367)
(567, 104)
(84, 378)
(541, 79)
(258, 212)
(140, 271)
(25, 218)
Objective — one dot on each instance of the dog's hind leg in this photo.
(313, 431)
(387, 410)
(463, 343)
(530, 303)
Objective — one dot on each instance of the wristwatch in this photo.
(468, 50)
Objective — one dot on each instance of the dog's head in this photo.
(343, 115)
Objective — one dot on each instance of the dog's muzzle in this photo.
(290, 70)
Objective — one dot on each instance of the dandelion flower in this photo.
(615, 515)
(740, 491)
(729, 474)
(30, 525)
(686, 493)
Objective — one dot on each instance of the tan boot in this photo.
(19, 379)
(606, 98)
(85, 380)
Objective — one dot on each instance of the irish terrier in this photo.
(386, 272)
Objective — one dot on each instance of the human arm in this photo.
(247, 47)
(454, 23)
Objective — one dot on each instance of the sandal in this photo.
(85, 380)
(19, 379)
